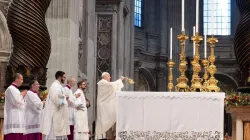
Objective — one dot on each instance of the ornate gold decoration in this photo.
(170, 76)
(205, 63)
(212, 82)
(196, 80)
(130, 81)
(182, 80)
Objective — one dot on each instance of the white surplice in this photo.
(71, 105)
(55, 121)
(14, 109)
(106, 106)
(33, 113)
(81, 128)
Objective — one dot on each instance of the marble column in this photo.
(87, 55)
(62, 19)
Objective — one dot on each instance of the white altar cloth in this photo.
(170, 116)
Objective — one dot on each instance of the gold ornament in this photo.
(196, 82)
(212, 82)
(182, 80)
(170, 76)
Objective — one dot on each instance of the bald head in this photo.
(106, 76)
(71, 81)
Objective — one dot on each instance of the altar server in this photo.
(106, 105)
(33, 114)
(14, 110)
(55, 121)
(71, 105)
(81, 116)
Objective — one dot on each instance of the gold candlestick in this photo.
(182, 80)
(212, 82)
(196, 80)
(170, 76)
(205, 63)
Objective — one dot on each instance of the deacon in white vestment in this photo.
(106, 105)
(55, 121)
(14, 110)
(71, 105)
(33, 114)
(81, 117)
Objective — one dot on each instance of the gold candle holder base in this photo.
(196, 81)
(182, 80)
(212, 82)
(170, 76)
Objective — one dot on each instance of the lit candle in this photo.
(212, 20)
(197, 15)
(193, 41)
(182, 16)
(171, 42)
(205, 46)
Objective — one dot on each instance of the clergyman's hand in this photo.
(122, 78)
(78, 95)
(24, 93)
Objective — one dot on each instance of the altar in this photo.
(170, 115)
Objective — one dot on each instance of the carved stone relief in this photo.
(104, 33)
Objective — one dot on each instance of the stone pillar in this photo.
(161, 79)
(137, 65)
(87, 55)
(63, 18)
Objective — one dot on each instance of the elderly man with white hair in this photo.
(106, 105)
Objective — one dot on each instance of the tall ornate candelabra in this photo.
(212, 82)
(182, 80)
(170, 76)
(196, 80)
(205, 63)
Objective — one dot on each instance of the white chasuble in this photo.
(81, 117)
(55, 121)
(71, 105)
(33, 113)
(14, 109)
(106, 105)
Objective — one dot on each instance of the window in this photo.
(222, 17)
(138, 13)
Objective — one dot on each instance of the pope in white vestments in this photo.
(106, 104)
(55, 121)
(81, 115)
(33, 113)
(14, 110)
(71, 105)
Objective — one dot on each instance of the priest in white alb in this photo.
(33, 113)
(71, 105)
(81, 115)
(106, 105)
(55, 121)
(14, 110)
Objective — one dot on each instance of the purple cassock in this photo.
(34, 136)
(15, 136)
(71, 136)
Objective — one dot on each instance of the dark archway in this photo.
(147, 78)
